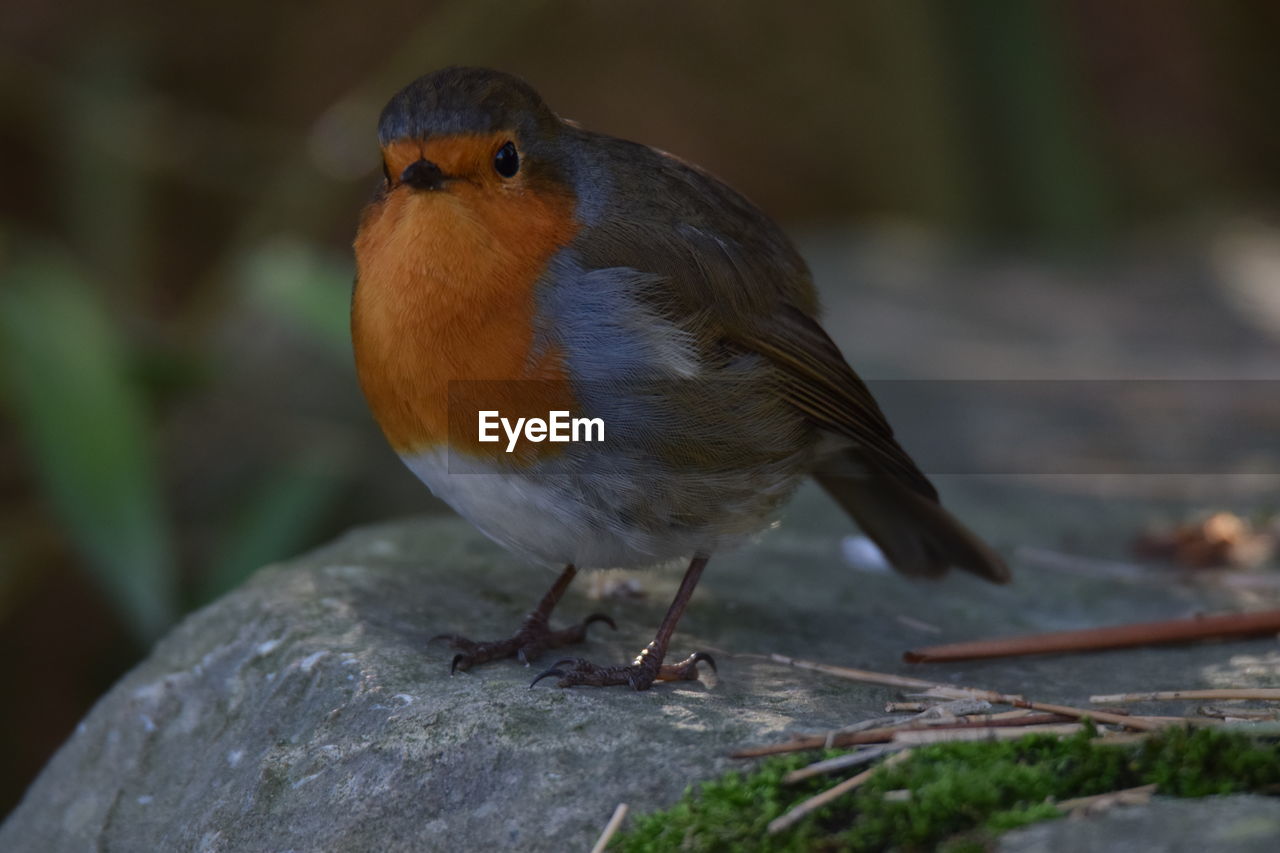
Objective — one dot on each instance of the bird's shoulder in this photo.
(711, 248)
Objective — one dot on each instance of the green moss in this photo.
(961, 793)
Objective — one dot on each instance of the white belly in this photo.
(608, 520)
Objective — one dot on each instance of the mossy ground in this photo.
(962, 794)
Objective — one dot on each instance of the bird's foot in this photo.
(527, 644)
(638, 675)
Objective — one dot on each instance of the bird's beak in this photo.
(423, 175)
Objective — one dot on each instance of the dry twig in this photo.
(858, 734)
(818, 801)
(1143, 724)
(920, 737)
(951, 691)
(840, 762)
(619, 814)
(1263, 693)
(1098, 802)
(904, 707)
(883, 678)
(1219, 626)
(886, 734)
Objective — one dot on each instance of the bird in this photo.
(511, 261)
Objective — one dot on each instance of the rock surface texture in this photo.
(1239, 824)
(305, 711)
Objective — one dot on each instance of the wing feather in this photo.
(819, 382)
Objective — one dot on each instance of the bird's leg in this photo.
(533, 637)
(648, 666)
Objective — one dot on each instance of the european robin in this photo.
(513, 261)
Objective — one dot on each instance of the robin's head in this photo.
(467, 130)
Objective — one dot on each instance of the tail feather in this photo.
(917, 535)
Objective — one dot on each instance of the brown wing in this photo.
(728, 270)
(817, 381)
(875, 481)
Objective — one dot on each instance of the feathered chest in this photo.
(445, 294)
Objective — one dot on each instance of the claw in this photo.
(599, 617)
(703, 656)
(558, 673)
(457, 659)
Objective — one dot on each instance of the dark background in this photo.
(181, 181)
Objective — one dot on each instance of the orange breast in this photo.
(445, 292)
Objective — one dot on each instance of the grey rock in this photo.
(1236, 824)
(305, 710)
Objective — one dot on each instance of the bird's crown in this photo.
(461, 100)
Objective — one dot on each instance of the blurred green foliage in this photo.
(91, 438)
(72, 383)
(310, 286)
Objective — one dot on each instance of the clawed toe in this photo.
(573, 671)
(553, 671)
(526, 645)
(539, 638)
(469, 650)
(599, 617)
(687, 669)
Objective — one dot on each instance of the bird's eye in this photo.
(507, 161)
